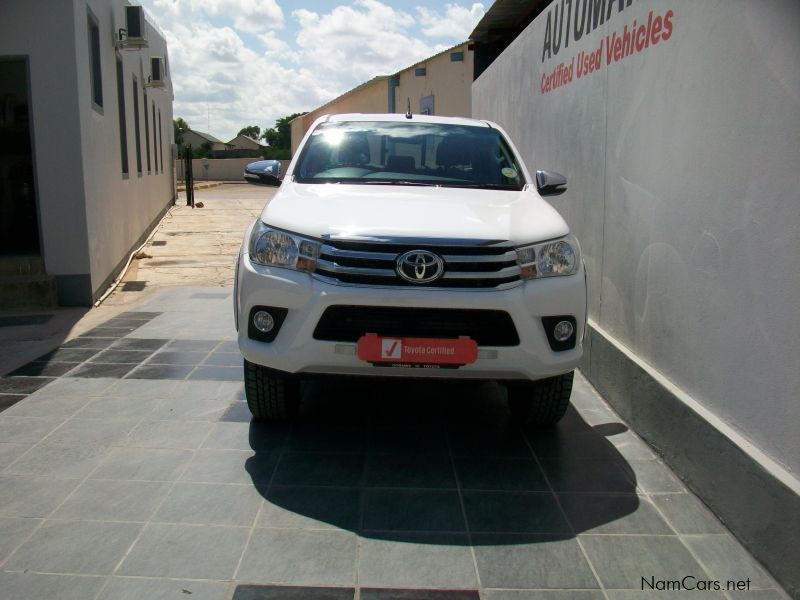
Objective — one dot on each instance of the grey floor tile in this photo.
(43, 369)
(169, 357)
(22, 496)
(102, 370)
(139, 344)
(421, 439)
(201, 390)
(724, 559)
(759, 595)
(326, 437)
(218, 373)
(631, 446)
(11, 452)
(98, 432)
(557, 444)
(224, 359)
(583, 475)
(23, 430)
(434, 561)
(310, 508)
(59, 462)
(190, 409)
(9, 400)
(66, 387)
(77, 547)
(185, 551)
(653, 477)
(656, 595)
(300, 557)
(247, 436)
(474, 440)
(169, 434)
(87, 342)
(129, 588)
(532, 562)
(22, 385)
(315, 468)
(13, 531)
(613, 513)
(231, 466)
(513, 512)
(64, 587)
(543, 595)
(622, 560)
(210, 504)
(113, 500)
(501, 474)
(117, 408)
(34, 406)
(184, 346)
(410, 470)
(413, 510)
(292, 592)
(143, 464)
(160, 372)
(687, 514)
(141, 389)
(116, 356)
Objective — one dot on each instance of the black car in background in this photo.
(263, 171)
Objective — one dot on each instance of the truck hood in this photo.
(340, 210)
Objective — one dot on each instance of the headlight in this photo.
(550, 259)
(275, 248)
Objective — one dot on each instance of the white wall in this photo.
(684, 188)
(44, 33)
(120, 208)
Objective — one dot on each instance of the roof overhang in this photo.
(506, 18)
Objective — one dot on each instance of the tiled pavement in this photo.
(129, 469)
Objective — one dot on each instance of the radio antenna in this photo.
(408, 110)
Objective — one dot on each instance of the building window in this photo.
(456, 57)
(155, 145)
(160, 142)
(419, 72)
(147, 133)
(123, 129)
(136, 126)
(94, 62)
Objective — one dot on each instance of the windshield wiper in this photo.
(485, 186)
(398, 182)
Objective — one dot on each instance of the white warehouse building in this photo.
(86, 166)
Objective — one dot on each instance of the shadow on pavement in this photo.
(436, 463)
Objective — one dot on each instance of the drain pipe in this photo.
(118, 280)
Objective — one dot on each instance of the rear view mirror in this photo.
(550, 183)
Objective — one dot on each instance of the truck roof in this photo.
(401, 117)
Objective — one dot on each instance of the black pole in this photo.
(189, 177)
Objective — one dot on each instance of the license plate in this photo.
(420, 351)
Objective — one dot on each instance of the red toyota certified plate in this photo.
(428, 351)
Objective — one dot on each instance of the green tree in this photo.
(179, 127)
(251, 131)
(280, 136)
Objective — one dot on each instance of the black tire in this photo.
(541, 403)
(271, 395)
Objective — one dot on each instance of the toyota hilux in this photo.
(411, 246)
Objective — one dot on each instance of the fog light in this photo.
(264, 322)
(563, 330)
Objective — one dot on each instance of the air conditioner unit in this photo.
(158, 76)
(134, 35)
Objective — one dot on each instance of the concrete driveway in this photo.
(129, 468)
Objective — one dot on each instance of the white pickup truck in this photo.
(411, 246)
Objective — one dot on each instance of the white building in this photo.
(676, 125)
(86, 166)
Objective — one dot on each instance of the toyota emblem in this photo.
(420, 266)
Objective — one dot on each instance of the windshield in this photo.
(396, 153)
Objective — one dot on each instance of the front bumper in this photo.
(295, 350)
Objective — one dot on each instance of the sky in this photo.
(235, 63)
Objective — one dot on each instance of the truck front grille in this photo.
(349, 323)
(489, 265)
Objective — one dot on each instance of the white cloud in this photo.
(355, 43)
(253, 72)
(457, 21)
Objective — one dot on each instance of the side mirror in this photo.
(550, 183)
